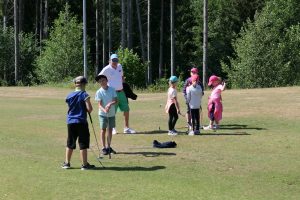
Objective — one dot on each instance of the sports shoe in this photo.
(111, 150)
(114, 131)
(170, 132)
(175, 131)
(216, 126)
(87, 167)
(104, 151)
(197, 132)
(191, 133)
(129, 131)
(66, 165)
(208, 127)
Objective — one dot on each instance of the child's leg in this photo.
(196, 119)
(175, 118)
(68, 155)
(193, 119)
(170, 124)
(172, 115)
(103, 133)
(83, 156)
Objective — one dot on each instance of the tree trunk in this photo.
(205, 35)
(36, 22)
(16, 38)
(41, 24)
(21, 14)
(45, 32)
(97, 38)
(4, 11)
(109, 28)
(129, 24)
(123, 29)
(104, 56)
(161, 40)
(141, 30)
(149, 77)
(172, 36)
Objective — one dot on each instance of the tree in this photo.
(267, 53)
(62, 56)
(134, 69)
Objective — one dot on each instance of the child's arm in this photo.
(100, 106)
(223, 86)
(88, 104)
(176, 105)
(188, 95)
(114, 101)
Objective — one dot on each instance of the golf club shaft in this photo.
(95, 139)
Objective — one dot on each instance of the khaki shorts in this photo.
(105, 122)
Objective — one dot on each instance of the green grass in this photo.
(254, 156)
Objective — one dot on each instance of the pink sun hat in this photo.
(212, 79)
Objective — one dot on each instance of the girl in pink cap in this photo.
(215, 107)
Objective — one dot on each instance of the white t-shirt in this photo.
(114, 76)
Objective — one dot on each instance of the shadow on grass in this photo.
(158, 132)
(133, 168)
(229, 134)
(152, 132)
(148, 153)
(239, 126)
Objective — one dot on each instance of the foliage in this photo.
(225, 19)
(134, 69)
(28, 53)
(267, 54)
(62, 56)
(7, 56)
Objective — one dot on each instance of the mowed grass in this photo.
(255, 155)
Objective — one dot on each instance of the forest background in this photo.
(251, 43)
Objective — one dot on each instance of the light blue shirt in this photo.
(106, 96)
(194, 96)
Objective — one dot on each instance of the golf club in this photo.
(96, 140)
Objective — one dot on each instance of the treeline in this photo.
(250, 43)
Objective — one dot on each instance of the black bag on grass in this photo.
(169, 144)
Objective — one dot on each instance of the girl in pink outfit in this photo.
(215, 107)
(172, 105)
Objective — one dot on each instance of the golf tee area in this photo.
(255, 155)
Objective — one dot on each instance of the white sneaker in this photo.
(129, 131)
(208, 128)
(171, 132)
(114, 131)
(191, 133)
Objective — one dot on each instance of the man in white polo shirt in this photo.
(115, 76)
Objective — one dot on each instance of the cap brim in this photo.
(115, 60)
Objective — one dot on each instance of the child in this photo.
(215, 107)
(107, 98)
(172, 106)
(194, 96)
(187, 83)
(79, 104)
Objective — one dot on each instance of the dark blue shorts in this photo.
(80, 131)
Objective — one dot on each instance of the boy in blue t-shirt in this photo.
(107, 98)
(79, 104)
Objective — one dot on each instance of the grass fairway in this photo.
(255, 155)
